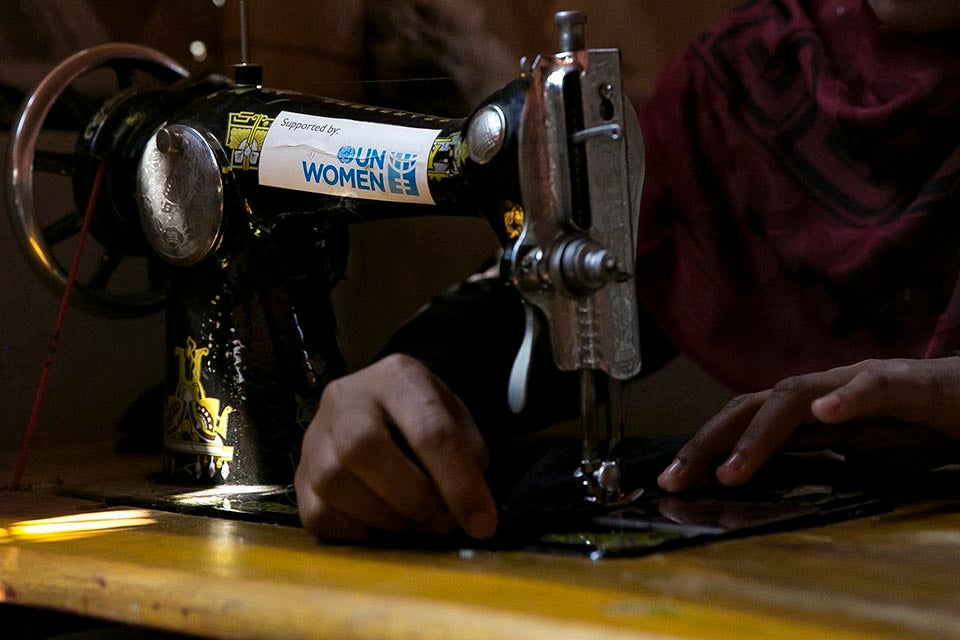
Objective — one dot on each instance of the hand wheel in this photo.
(56, 112)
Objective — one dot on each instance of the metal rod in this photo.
(244, 41)
(614, 418)
(589, 421)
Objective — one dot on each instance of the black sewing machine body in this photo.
(251, 332)
(191, 177)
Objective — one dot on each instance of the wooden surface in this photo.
(895, 575)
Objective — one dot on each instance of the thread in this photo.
(58, 326)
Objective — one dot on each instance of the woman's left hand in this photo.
(922, 397)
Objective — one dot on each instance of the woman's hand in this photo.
(392, 448)
(922, 397)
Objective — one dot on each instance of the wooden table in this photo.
(895, 575)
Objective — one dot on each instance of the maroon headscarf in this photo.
(802, 205)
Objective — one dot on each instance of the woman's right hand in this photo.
(392, 448)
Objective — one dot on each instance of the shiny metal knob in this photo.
(608, 477)
(580, 266)
(169, 141)
(486, 133)
(571, 29)
(180, 195)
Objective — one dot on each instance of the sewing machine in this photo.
(243, 194)
(246, 269)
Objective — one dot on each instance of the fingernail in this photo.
(829, 404)
(832, 400)
(482, 524)
(735, 462)
(673, 469)
(668, 478)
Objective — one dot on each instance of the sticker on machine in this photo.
(347, 158)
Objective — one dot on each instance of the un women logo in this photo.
(402, 173)
(346, 154)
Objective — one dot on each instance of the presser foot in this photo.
(602, 483)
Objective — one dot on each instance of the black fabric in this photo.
(536, 489)
(469, 336)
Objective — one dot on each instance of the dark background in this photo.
(324, 47)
